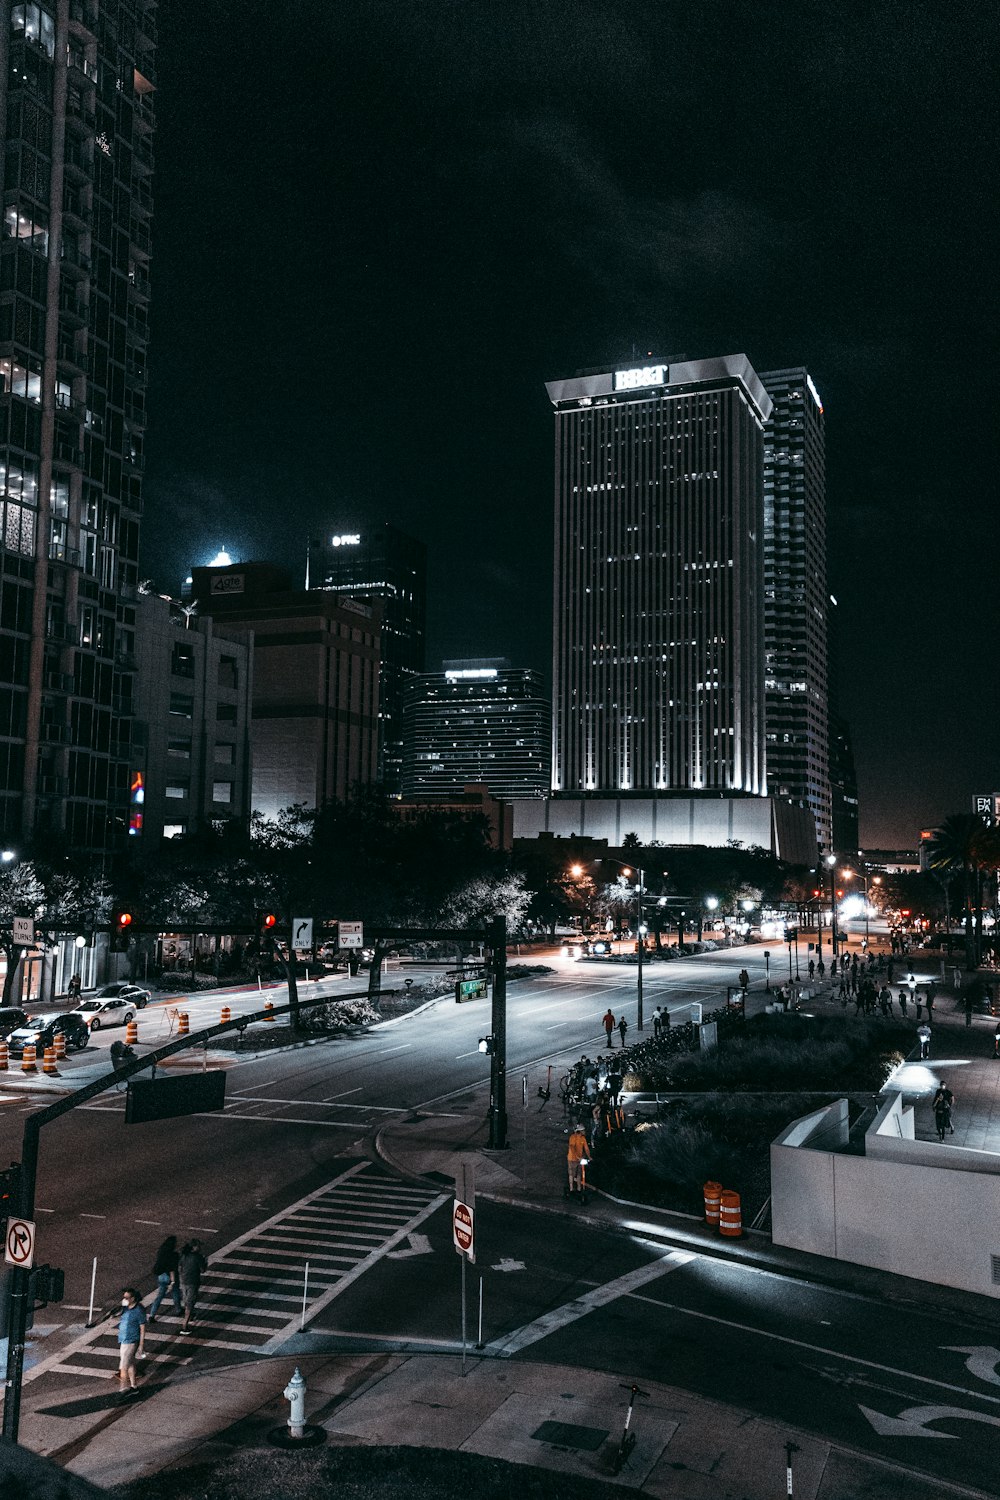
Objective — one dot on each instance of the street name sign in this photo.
(23, 931)
(19, 1243)
(463, 1229)
(470, 989)
(350, 934)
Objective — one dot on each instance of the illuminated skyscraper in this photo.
(77, 118)
(795, 597)
(658, 655)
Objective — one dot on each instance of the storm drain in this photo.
(568, 1435)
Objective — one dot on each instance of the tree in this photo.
(22, 894)
(963, 842)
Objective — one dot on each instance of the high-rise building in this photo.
(76, 108)
(658, 660)
(383, 564)
(479, 722)
(796, 693)
(314, 718)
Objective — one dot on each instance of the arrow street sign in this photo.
(19, 1245)
(910, 1423)
(463, 1231)
(982, 1361)
(302, 932)
(419, 1245)
(350, 935)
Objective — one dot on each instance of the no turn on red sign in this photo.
(463, 1229)
(19, 1243)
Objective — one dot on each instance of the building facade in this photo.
(76, 108)
(658, 657)
(796, 690)
(477, 722)
(314, 724)
(191, 762)
(381, 564)
(843, 787)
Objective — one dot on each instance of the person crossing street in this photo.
(609, 1025)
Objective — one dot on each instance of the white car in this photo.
(112, 1012)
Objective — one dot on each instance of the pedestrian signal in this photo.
(488, 1044)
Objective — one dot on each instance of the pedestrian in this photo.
(131, 1339)
(576, 1159)
(73, 990)
(165, 1271)
(931, 997)
(191, 1265)
(968, 1007)
(664, 1021)
(942, 1105)
(656, 1023)
(622, 1028)
(615, 1084)
(902, 1002)
(609, 1024)
(812, 968)
(996, 1041)
(744, 981)
(924, 1033)
(821, 968)
(833, 968)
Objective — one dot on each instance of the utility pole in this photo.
(498, 1027)
(639, 955)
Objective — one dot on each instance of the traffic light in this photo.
(120, 924)
(10, 1178)
(268, 921)
(47, 1284)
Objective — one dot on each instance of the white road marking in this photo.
(344, 1095)
(610, 1291)
(93, 1216)
(156, 1223)
(386, 1050)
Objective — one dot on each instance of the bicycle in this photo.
(628, 1439)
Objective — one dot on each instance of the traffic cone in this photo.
(183, 1023)
(268, 1011)
(28, 1059)
(4, 1057)
(59, 1042)
(225, 1015)
(131, 1033)
(49, 1061)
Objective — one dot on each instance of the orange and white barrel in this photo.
(49, 1061)
(268, 1011)
(713, 1197)
(225, 1015)
(59, 1042)
(730, 1216)
(28, 1059)
(131, 1033)
(183, 1023)
(4, 1057)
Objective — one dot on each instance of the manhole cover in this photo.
(568, 1435)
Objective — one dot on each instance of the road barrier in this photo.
(49, 1061)
(4, 1057)
(225, 1015)
(28, 1059)
(131, 1033)
(59, 1042)
(713, 1197)
(730, 1217)
(268, 1011)
(183, 1023)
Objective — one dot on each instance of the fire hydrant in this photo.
(295, 1394)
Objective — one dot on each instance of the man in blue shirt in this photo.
(131, 1337)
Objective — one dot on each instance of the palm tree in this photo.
(964, 842)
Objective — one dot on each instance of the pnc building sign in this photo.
(347, 539)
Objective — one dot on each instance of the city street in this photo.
(283, 1177)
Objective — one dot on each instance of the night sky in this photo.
(380, 227)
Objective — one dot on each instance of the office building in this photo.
(658, 659)
(845, 806)
(190, 764)
(77, 116)
(314, 725)
(796, 693)
(382, 565)
(477, 722)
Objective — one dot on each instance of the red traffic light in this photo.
(124, 919)
(270, 920)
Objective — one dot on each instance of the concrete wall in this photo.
(761, 822)
(937, 1219)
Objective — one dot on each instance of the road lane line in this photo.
(330, 1098)
(560, 1317)
(385, 1052)
(93, 1216)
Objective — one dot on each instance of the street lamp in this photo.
(8, 856)
(626, 871)
(831, 862)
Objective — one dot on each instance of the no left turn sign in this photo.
(19, 1245)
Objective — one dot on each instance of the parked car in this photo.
(114, 1012)
(123, 989)
(40, 1032)
(10, 1019)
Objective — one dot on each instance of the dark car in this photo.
(123, 989)
(10, 1019)
(40, 1032)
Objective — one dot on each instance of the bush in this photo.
(339, 1016)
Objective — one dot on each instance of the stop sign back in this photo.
(463, 1229)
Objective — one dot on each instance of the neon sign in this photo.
(634, 380)
(350, 539)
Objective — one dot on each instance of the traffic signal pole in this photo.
(498, 1026)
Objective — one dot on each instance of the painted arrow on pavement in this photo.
(910, 1423)
(982, 1361)
(509, 1265)
(419, 1245)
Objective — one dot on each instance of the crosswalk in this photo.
(256, 1294)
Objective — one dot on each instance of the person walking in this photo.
(820, 968)
(609, 1024)
(131, 1339)
(744, 982)
(931, 996)
(622, 1028)
(942, 1106)
(576, 1157)
(924, 1033)
(657, 1013)
(165, 1271)
(902, 1002)
(812, 967)
(73, 990)
(191, 1265)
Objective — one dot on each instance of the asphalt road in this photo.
(554, 1289)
